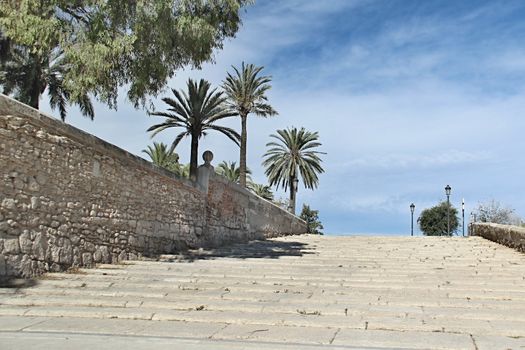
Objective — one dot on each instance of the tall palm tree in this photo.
(246, 91)
(263, 191)
(291, 156)
(196, 112)
(161, 156)
(231, 171)
(27, 76)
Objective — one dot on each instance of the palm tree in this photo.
(26, 76)
(293, 155)
(196, 113)
(246, 92)
(161, 156)
(230, 171)
(263, 191)
(183, 170)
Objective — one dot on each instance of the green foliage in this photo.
(263, 191)
(182, 170)
(196, 112)
(165, 158)
(246, 90)
(230, 171)
(26, 78)
(291, 157)
(161, 156)
(312, 219)
(433, 221)
(108, 44)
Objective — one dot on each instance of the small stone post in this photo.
(204, 171)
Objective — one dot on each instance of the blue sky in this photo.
(408, 96)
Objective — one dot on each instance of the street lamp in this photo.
(463, 214)
(412, 207)
(447, 191)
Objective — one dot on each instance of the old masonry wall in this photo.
(70, 199)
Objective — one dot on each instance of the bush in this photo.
(433, 221)
(312, 220)
(494, 212)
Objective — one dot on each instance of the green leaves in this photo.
(263, 191)
(195, 112)
(230, 171)
(433, 221)
(161, 156)
(292, 155)
(311, 217)
(246, 91)
(113, 43)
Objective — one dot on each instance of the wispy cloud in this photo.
(408, 96)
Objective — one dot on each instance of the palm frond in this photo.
(291, 156)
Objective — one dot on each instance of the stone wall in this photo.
(511, 236)
(68, 199)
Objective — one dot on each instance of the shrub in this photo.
(312, 220)
(433, 221)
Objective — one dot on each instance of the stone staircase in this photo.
(297, 292)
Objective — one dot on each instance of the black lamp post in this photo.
(447, 191)
(463, 215)
(412, 207)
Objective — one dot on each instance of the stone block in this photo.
(87, 259)
(8, 203)
(25, 242)
(3, 269)
(35, 202)
(11, 246)
(39, 246)
(97, 256)
(55, 254)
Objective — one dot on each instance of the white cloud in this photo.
(397, 124)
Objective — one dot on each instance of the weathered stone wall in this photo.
(68, 199)
(511, 236)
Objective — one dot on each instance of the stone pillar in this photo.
(205, 170)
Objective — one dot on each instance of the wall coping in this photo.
(12, 107)
(509, 235)
(501, 226)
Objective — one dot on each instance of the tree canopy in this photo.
(493, 211)
(433, 221)
(311, 217)
(196, 112)
(291, 156)
(231, 171)
(107, 44)
(246, 90)
(261, 190)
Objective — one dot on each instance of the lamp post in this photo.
(447, 192)
(412, 207)
(463, 215)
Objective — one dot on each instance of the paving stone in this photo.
(409, 340)
(484, 342)
(283, 334)
(16, 323)
(87, 325)
(340, 292)
(39, 341)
